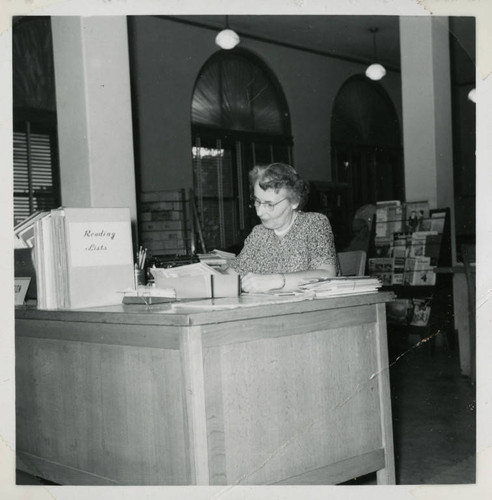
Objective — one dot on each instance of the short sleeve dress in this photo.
(308, 245)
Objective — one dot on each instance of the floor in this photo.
(433, 414)
(433, 408)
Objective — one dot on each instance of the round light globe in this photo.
(472, 95)
(227, 39)
(375, 72)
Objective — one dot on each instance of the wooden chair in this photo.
(352, 263)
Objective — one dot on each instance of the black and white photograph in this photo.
(205, 203)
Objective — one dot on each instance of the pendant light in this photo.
(375, 71)
(227, 39)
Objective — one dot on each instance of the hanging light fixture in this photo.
(375, 71)
(227, 39)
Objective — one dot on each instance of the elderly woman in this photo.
(289, 246)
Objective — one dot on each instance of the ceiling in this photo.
(343, 36)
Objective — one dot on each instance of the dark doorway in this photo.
(367, 156)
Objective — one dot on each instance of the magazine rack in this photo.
(405, 254)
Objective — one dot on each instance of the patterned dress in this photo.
(308, 244)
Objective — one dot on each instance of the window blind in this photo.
(33, 174)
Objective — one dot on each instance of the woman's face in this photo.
(280, 215)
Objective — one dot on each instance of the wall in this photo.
(164, 72)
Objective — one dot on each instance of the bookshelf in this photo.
(410, 242)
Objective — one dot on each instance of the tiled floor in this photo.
(433, 416)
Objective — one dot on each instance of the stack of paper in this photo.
(24, 231)
(333, 287)
(83, 257)
(198, 269)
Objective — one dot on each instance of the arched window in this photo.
(366, 147)
(239, 119)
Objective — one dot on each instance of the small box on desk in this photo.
(202, 286)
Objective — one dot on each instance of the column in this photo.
(426, 101)
(93, 99)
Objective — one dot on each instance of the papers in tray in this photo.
(195, 281)
(198, 269)
(333, 287)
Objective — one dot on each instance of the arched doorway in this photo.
(367, 156)
(239, 119)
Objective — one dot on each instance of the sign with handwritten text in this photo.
(100, 244)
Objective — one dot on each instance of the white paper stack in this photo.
(24, 231)
(333, 287)
(198, 269)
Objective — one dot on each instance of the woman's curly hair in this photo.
(277, 176)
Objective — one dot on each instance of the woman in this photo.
(289, 246)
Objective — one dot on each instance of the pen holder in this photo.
(140, 277)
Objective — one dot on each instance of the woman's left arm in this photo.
(254, 282)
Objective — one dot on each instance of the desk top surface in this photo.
(187, 313)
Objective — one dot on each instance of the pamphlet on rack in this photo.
(389, 218)
(419, 271)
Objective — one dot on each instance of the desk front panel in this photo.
(291, 395)
(90, 412)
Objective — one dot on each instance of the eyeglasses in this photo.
(267, 204)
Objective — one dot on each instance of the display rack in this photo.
(410, 242)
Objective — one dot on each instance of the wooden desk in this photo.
(294, 393)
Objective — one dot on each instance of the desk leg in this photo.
(386, 475)
(194, 387)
